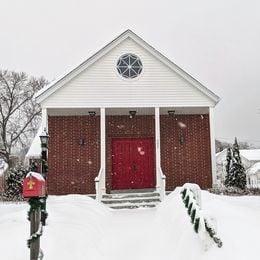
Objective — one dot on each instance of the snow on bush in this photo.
(233, 191)
(14, 180)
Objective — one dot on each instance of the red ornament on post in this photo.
(34, 186)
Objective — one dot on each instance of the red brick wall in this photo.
(188, 162)
(73, 168)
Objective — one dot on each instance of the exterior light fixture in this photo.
(44, 137)
(92, 113)
(81, 141)
(182, 139)
(171, 112)
(132, 113)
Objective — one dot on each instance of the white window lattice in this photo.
(129, 66)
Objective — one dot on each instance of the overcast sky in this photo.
(217, 42)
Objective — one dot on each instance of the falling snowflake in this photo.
(140, 150)
(120, 126)
(90, 162)
(182, 125)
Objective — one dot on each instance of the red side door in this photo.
(133, 163)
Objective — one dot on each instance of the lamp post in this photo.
(44, 137)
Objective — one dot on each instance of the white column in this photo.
(212, 145)
(103, 148)
(157, 147)
(44, 123)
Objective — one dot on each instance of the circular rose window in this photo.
(129, 66)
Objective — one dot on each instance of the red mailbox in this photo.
(34, 185)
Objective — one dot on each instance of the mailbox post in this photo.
(34, 189)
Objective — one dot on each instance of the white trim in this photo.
(212, 146)
(44, 123)
(128, 106)
(53, 86)
(98, 181)
(157, 147)
(103, 148)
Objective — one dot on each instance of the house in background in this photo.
(252, 155)
(253, 176)
(34, 152)
(253, 173)
(250, 159)
(128, 119)
(3, 169)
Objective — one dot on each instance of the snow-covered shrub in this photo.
(14, 180)
(233, 191)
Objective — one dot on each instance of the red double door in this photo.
(133, 163)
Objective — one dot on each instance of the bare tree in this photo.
(19, 113)
(220, 145)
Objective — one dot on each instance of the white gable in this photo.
(100, 85)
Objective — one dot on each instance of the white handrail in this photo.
(162, 183)
(98, 184)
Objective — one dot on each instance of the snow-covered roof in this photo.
(35, 149)
(251, 155)
(254, 169)
(221, 158)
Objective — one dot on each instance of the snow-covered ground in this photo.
(79, 228)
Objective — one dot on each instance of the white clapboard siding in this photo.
(100, 85)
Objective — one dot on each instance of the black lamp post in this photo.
(44, 137)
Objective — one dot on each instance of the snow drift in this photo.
(80, 228)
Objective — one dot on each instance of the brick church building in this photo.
(128, 119)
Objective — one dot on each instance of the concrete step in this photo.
(130, 195)
(132, 206)
(131, 200)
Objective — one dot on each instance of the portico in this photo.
(127, 119)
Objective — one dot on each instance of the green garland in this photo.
(196, 225)
(186, 201)
(35, 236)
(183, 192)
(213, 234)
(192, 216)
(191, 209)
(35, 204)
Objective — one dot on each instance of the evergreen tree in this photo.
(236, 176)
(14, 181)
(229, 159)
